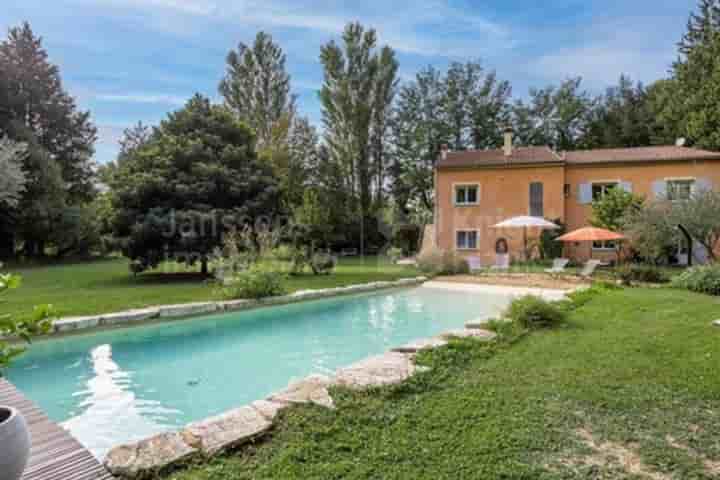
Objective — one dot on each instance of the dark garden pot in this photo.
(14, 442)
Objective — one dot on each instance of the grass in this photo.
(628, 388)
(103, 286)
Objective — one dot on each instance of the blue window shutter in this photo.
(627, 186)
(703, 185)
(660, 189)
(585, 193)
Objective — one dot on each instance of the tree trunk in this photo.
(7, 246)
(204, 266)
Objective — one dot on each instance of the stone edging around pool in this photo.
(232, 429)
(77, 324)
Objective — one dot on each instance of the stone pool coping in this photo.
(184, 310)
(243, 425)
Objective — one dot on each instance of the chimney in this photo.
(508, 146)
(443, 151)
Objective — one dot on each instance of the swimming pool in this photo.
(117, 386)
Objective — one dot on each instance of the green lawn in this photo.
(630, 388)
(107, 285)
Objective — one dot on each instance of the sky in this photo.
(135, 60)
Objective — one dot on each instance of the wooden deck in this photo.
(55, 454)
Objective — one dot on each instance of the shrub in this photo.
(255, 282)
(394, 254)
(439, 262)
(640, 272)
(534, 312)
(701, 279)
(13, 331)
(323, 263)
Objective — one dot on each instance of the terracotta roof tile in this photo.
(540, 155)
(640, 154)
(486, 158)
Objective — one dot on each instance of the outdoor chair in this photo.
(589, 268)
(558, 267)
(474, 263)
(502, 262)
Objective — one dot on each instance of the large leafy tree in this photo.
(622, 117)
(256, 87)
(36, 110)
(355, 97)
(554, 115)
(13, 178)
(195, 178)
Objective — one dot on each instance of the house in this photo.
(477, 189)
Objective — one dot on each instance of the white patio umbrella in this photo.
(526, 222)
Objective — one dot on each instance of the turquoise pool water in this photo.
(114, 386)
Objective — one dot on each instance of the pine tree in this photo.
(256, 87)
(700, 26)
(36, 105)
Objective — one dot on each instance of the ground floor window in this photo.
(680, 189)
(608, 245)
(466, 240)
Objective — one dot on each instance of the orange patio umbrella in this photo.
(590, 234)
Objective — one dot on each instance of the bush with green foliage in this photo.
(534, 312)
(323, 263)
(701, 279)
(394, 254)
(640, 272)
(256, 282)
(13, 329)
(442, 262)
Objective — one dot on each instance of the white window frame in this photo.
(616, 182)
(455, 188)
(467, 230)
(669, 180)
(604, 247)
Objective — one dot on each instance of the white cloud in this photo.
(639, 48)
(141, 98)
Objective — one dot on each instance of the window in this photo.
(609, 245)
(680, 189)
(566, 190)
(466, 240)
(536, 199)
(600, 189)
(466, 195)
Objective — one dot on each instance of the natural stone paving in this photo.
(268, 409)
(312, 389)
(469, 333)
(72, 324)
(186, 309)
(148, 456)
(386, 369)
(225, 431)
(422, 344)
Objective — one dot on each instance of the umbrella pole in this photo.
(525, 243)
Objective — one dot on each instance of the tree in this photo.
(12, 178)
(689, 100)
(555, 115)
(196, 178)
(609, 211)
(36, 110)
(37, 103)
(418, 131)
(256, 87)
(700, 215)
(651, 232)
(355, 98)
(621, 118)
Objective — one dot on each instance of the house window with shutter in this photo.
(466, 240)
(600, 189)
(467, 194)
(536, 199)
(678, 190)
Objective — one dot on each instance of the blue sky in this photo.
(130, 60)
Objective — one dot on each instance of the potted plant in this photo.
(14, 434)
